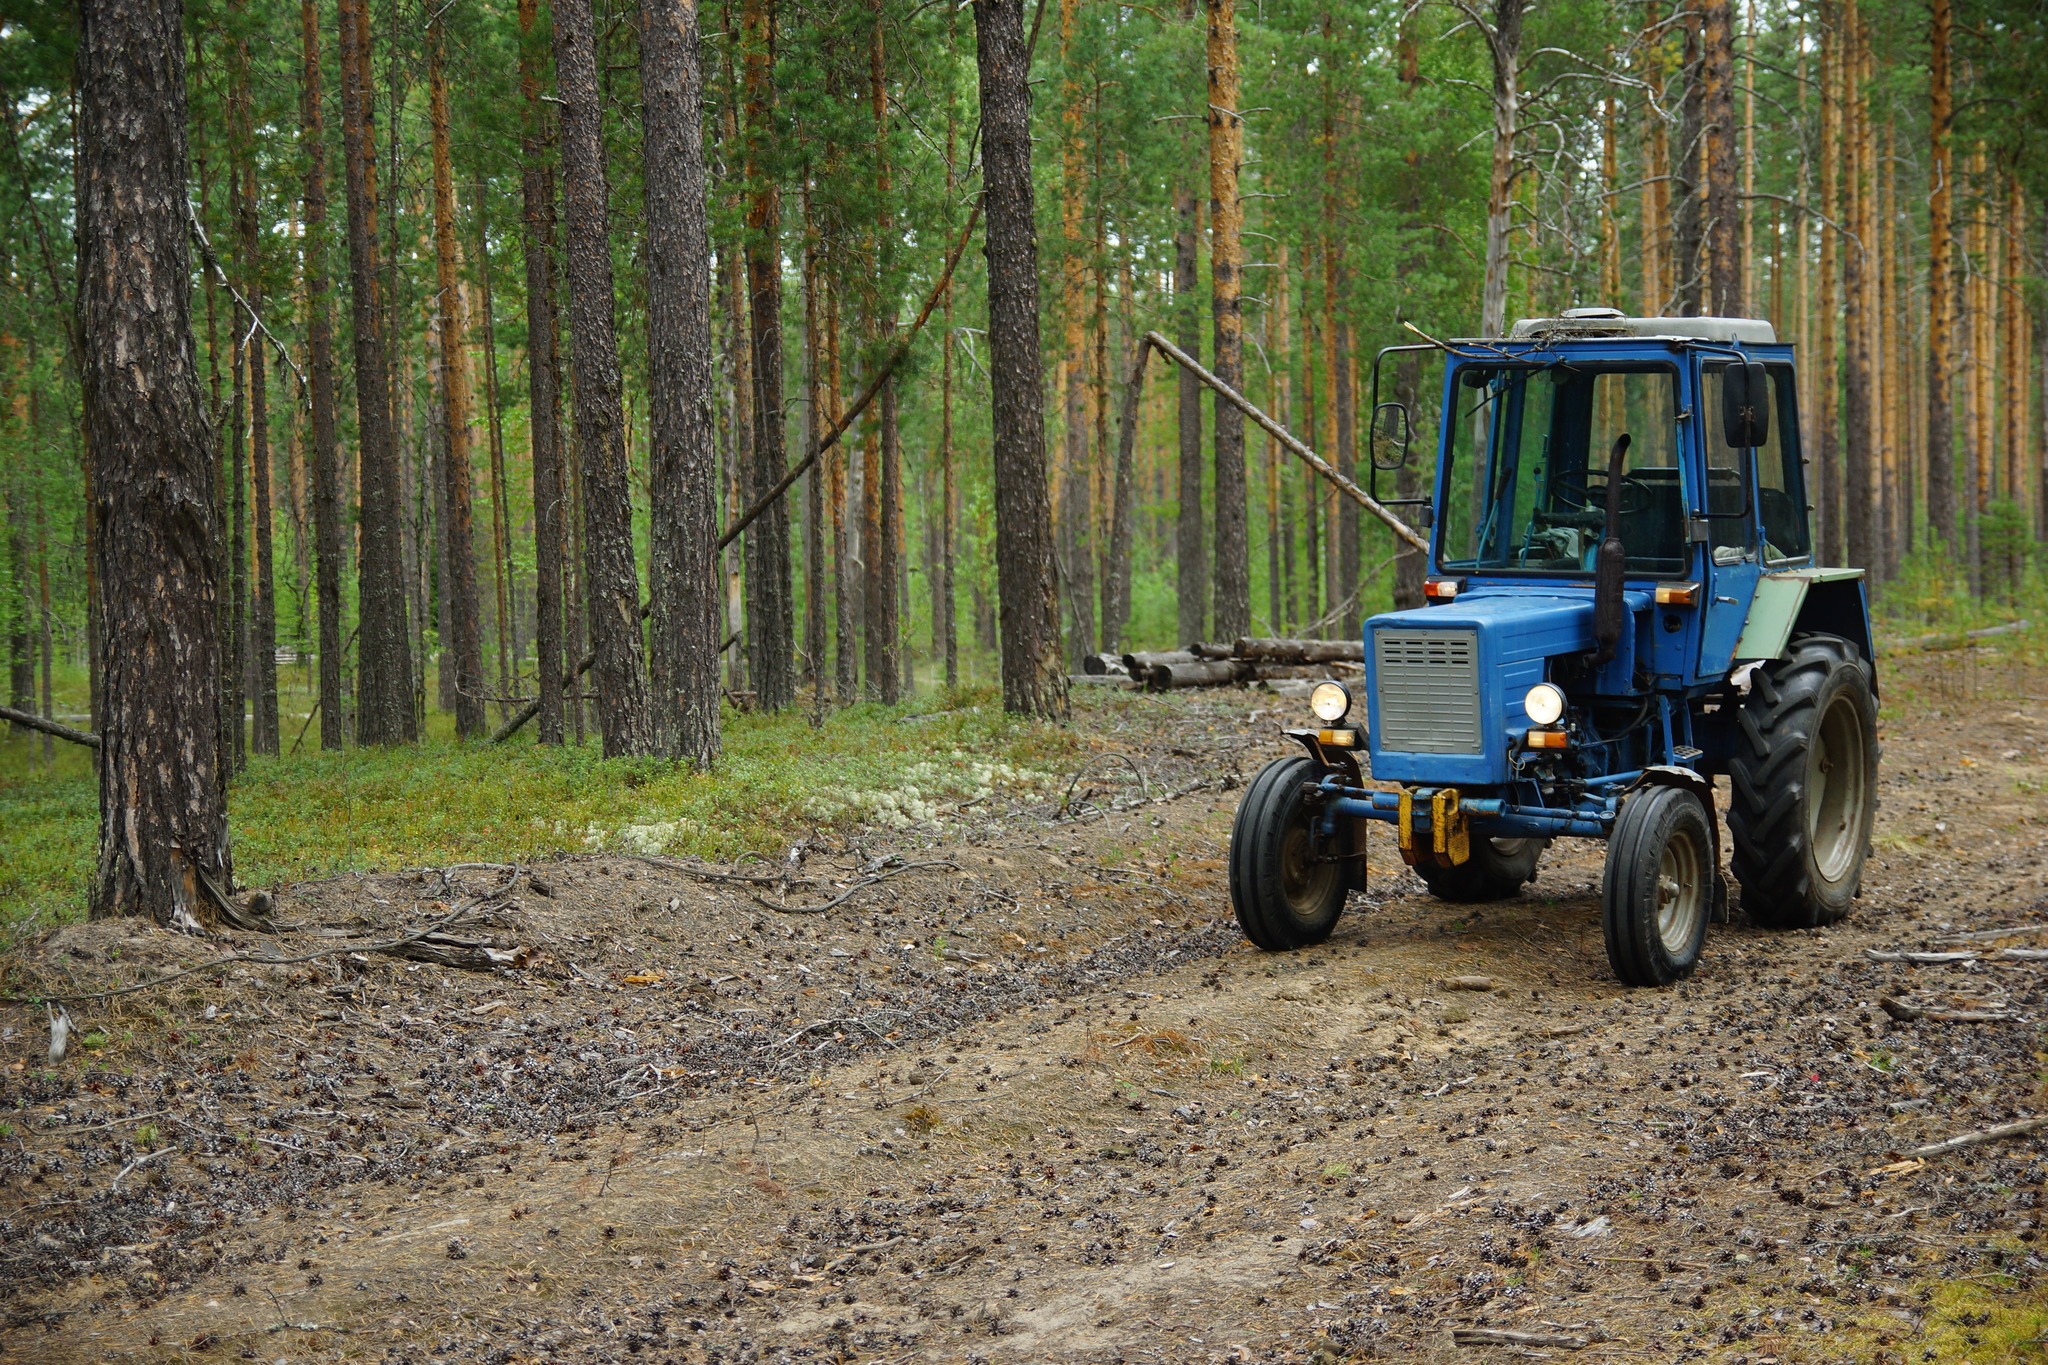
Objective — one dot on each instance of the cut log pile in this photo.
(1205, 664)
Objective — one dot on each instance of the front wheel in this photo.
(1284, 897)
(1659, 887)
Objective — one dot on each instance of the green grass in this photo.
(318, 813)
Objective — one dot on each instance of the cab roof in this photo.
(1591, 324)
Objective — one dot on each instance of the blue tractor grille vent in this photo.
(1428, 684)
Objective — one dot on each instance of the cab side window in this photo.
(1781, 491)
(1730, 531)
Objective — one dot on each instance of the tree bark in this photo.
(1504, 47)
(611, 585)
(1825, 429)
(949, 499)
(1655, 211)
(1191, 544)
(1034, 682)
(881, 479)
(543, 378)
(1233, 603)
(1723, 210)
(509, 644)
(771, 626)
(464, 650)
(1076, 515)
(1689, 267)
(328, 555)
(163, 811)
(1941, 280)
(683, 477)
(384, 709)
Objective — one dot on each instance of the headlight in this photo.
(1545, 704)
(1331, 701)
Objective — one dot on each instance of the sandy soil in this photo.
(1032, 1098)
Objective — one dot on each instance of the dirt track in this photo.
(1046, 1104)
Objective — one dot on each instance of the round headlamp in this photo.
(1545, 704)
(1331, 701)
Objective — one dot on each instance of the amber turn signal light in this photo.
(1546, 739)
(1678, 594)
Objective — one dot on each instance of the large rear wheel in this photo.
(1803, 782)
(1659, 889)
(1284, 896)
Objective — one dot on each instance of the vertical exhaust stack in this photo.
(1608, 566)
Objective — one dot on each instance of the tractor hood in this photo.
(1444, 684)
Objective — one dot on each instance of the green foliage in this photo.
(320, 812)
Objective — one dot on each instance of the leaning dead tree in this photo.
(1281, 434)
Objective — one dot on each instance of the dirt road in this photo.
(1030, 1097)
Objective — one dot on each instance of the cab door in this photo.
(1732, 554)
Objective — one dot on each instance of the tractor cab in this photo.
(1621, 569)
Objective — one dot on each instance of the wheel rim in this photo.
(1304, 885)
(1510, 848)
(1835, 778)
(1681, 893)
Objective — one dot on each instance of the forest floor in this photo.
(1031, 1097)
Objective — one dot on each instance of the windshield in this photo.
(1526, 487)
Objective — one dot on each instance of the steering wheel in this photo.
(1571, 489)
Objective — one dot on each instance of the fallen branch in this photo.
(264, 961)
(1906, 1014)
(1501, 1336)
(1989, 935)
(2017, 1128)
(1922, 959)
(29, 721)
(1950, 639)
(859, 885)
(446, 950)
(883, 1245)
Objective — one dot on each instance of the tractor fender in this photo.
(1332, 760)
(1791, 602)
(1671, 775)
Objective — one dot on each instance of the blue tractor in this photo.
(1622, 605)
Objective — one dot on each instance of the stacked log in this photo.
(1207, 664)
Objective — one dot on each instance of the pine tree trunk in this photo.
(384, 706)
(771, 626)
(328, 561)
(1033, 681)
(1233, 605)
(1825, 429)
(236, 676)
(611, 585)
(814, 482)
(1722, 210)
(1077, 549)
(509, 644)
(1977, 455)
(1656, 206)
(1504, 40)
(1856, 481)
(881, 485)
(163, 811)
(949, 509)
(1687, 171)
(1941, 281)
(543, 378)
(463, 650)
(1191, 545)
(683, 480)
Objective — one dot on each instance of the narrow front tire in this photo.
(1659, 889)
(1286, 892)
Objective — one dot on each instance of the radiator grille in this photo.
(1428, 691)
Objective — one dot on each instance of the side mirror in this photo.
(1745, 404)
(1390, 436)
